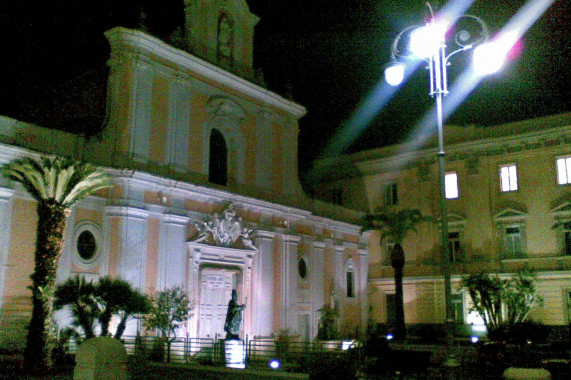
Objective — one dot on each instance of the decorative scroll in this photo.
(225, 230)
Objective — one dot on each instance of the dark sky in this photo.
(327, 54)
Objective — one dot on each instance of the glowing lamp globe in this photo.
(394, 74)
(425, 41)
(488, 58)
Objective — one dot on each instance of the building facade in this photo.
(508, 197)
(206, 193)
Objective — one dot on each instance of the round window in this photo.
(302, 268)
(86, 245)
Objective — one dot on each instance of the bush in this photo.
(376, 355)
(158, 351)
(330, 366)
(521, 333)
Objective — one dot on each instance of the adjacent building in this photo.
(206, 193)
(509, 205)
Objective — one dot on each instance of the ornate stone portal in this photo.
(221, 259)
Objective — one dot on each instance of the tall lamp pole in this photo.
(428, 43)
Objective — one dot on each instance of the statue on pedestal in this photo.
(233, 317)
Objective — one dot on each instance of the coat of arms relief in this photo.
(224, 230)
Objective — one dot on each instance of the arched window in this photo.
(218, 163)
(350, 281)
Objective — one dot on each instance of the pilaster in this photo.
(172, 252)
(263, 285)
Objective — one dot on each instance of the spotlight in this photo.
(475, 339)
(275, 364)
(390, 336)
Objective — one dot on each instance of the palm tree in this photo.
(56, 184)
(80, 296)
(118, 297)
(395, 225)
(100, 302)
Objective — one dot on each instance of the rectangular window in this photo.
(508, 178)
(458, 308)
(454, 246)
(350, 292)
(567, 236)
(451, 185)
(391, 194)
(513, 242)
(564, 170)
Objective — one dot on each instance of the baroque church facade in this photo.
(205, 191)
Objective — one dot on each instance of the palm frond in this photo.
(60, 179)
(394, 224)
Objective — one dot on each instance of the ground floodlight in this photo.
(390, 336)
(394, 74)
(275, 364)
(474, 339)
(425, 41)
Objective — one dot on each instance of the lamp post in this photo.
(429, 43)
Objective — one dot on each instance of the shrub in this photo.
(158, 351)
(521, 333)
(330, 366)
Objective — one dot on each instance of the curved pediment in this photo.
(219, 106)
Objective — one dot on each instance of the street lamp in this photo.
(428, 43)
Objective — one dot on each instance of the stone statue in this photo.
(225, 38)
(233, 317)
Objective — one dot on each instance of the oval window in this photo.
(86, 245)
(302, 268)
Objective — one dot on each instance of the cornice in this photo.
(403, 156)
(136, 41)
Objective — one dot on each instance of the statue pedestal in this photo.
(235, 353)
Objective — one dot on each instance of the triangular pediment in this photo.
(510, 213)
(563, 208)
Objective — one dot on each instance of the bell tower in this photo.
(221, 32)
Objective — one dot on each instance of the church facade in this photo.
(508, 196)
(206, 193)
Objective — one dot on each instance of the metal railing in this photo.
(259, 351)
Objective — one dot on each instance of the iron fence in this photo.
(258, 351)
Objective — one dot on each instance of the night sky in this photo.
(325, 54)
